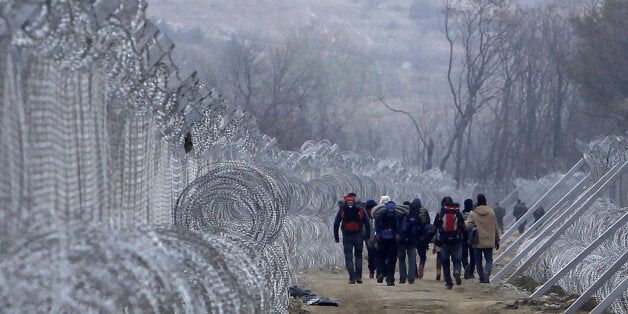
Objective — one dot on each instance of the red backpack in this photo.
(450, 231)
(351, 217)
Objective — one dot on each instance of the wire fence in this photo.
(127, 185)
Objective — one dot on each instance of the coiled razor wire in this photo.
(156, 269)
(600, 216)
(252, 227)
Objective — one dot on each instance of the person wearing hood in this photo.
(356, 228)
(483, 218)
(468, 256)
(424, 240)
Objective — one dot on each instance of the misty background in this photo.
(487, 90)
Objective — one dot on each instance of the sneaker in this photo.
(351, 281)
(358, 280)
(458, 281)
(380, 278)
(410, 282)
(390, 283)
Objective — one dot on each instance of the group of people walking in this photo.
(463, 240)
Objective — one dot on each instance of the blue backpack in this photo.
(413, 230)
(388, 222)
(427, 229)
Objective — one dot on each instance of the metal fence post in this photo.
(598, 283)
(590, 248)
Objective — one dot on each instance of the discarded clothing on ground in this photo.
(310, 298)
(324, 301)
(303, 294)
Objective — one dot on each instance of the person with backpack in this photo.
(448, 230)
(411, 231)
(371, 244)
(355, 226)
(483, 218)
(424, 238)
(518, 211)
(388, 220)
(468, 256)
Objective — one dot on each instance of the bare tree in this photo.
(425, 142)
(600, 65)
(471, 33)
(244, 69)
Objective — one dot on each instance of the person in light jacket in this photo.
(483, 217)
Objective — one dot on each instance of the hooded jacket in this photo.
(484, 218)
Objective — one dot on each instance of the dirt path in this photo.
(425, 296)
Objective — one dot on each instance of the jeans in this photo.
(353, 246)
(468, 258)
(387, 252)
(450, 251)
(488, 256)
(408, 272)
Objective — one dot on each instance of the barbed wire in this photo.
(128, 185)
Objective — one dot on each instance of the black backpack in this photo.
(413, 226)
(352, 218)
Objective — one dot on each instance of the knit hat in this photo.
(384, 199)
(370, 203)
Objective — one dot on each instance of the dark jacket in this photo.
(411, 228)
(519, 210)
(500, 212)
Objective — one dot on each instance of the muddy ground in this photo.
(424, 296)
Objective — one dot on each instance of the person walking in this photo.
(500, 213)
(518, 211)
(411, 231)
(388, 220)
(355, 226)
(448, 230)
(538, 213)
(371, 243)
(423, 241)
(483, 218)
(468, 256)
